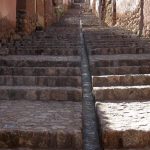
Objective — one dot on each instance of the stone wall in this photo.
(108, 12)
(7, 18)
(102, 9)
(61, 7)
(129, 15)
(146, 18)
(94, 6)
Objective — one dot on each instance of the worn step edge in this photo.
(126, 80)
(41, 71)
(73, 81)
(126, 93)
(40, 93)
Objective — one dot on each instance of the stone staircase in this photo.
(120, 68)
(40, 90)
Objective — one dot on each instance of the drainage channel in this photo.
(91, 138)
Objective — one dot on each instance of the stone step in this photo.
(114, 51)
(48, 51)
(117, 63)
(121, 80)
(50, 81)
(40, 61)
(148, 148)
(112, 43)
(40, 93)
(40, 71)
(38, 124)
(120, 60)
(97, 71)
(124, 125)
(127, 93)
(44, 46)
(111, 46)
(39, 149)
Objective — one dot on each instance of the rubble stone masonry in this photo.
(146, 18)
(129, 14)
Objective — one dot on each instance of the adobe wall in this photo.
(7, 18)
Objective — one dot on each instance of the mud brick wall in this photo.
(7, 18)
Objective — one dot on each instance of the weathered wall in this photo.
(61, 7)
(35, 13)
(31, 15)
(108, 12)
(7, 18)
(26, 15)
(50, 16)
(102, 9)
(146, 18)
(40, 6)
(129, 14)
(94, 5)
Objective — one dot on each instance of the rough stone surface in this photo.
(56, 121)
(129, 15)
(124, 125)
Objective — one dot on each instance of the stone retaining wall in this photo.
(129, 15)
(146, 18)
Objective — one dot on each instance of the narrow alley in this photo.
(76, 85)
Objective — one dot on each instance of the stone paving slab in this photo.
(40, 124)
(36, 149)
(124, 124)
(130, 149)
